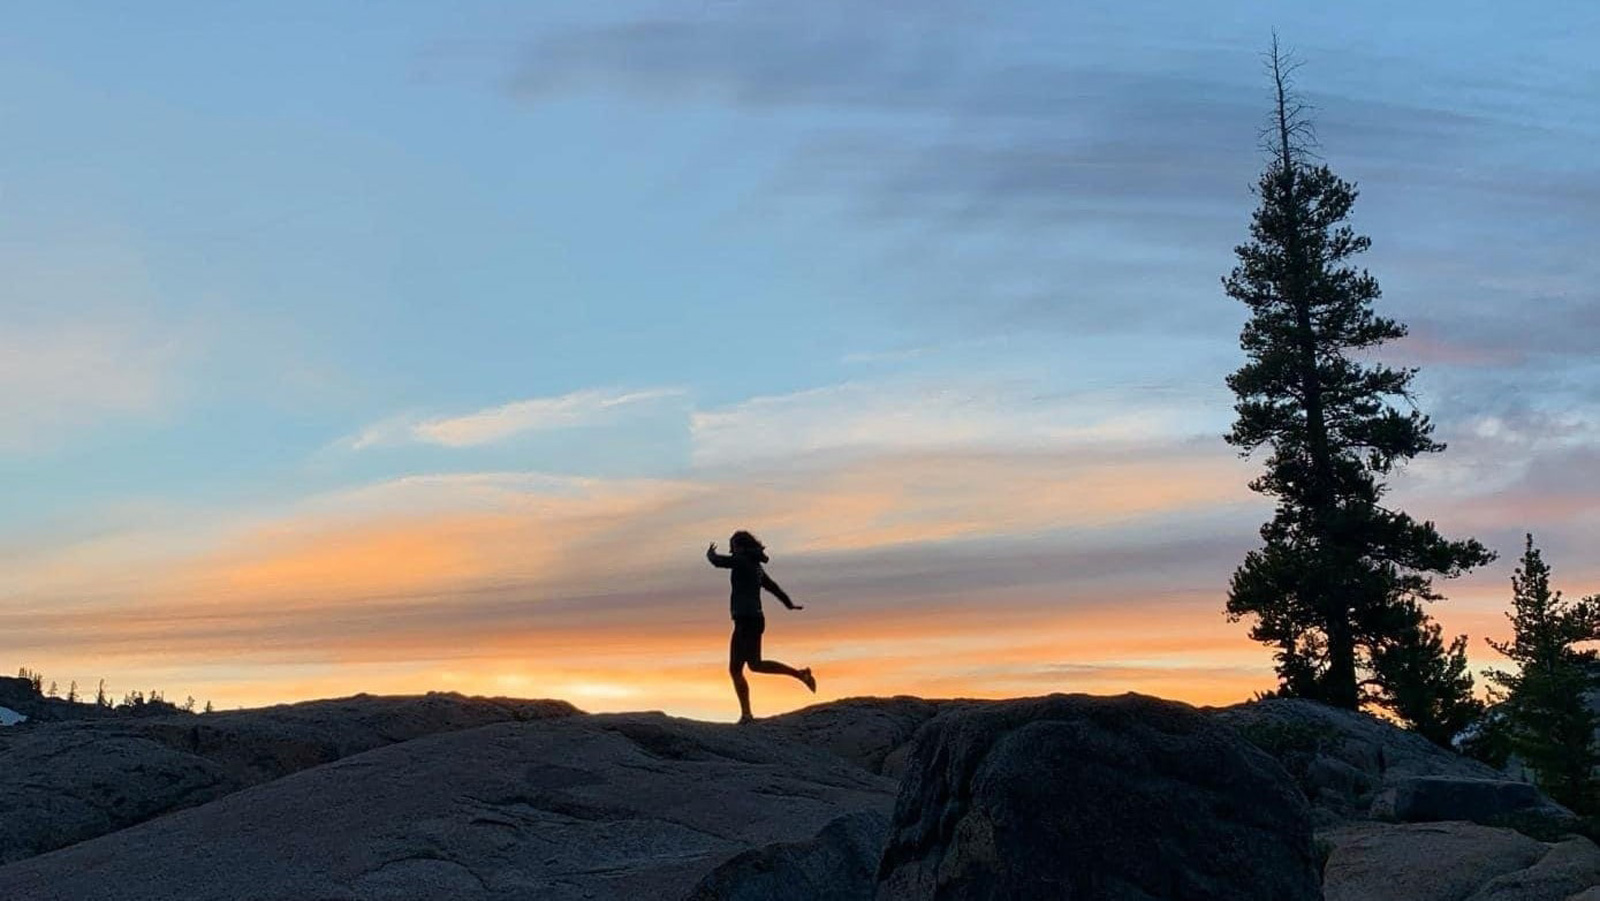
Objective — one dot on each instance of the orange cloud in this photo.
(505, 583)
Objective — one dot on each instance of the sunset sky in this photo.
(348, 347)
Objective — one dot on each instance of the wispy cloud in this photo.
(461, 558)
(85, 341)
(1096, 182)
(933, 414)
(494, 424)
(61, 376)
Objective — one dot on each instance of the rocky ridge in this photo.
(887, 799)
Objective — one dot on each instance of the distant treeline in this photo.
(133, 701)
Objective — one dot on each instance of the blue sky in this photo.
(306, 270)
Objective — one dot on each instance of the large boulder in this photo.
(839, 864)
(1343, 759)
(65, 782)
(623, 807)
(1097, 799)
(1453, 862)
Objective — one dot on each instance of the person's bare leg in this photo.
(741, 687)
(773, 667)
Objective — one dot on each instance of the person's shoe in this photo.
(746, 719)
(808, 679)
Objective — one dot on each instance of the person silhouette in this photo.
(748, 578)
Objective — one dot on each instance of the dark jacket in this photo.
(748, 579)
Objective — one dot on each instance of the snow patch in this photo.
(9, 717)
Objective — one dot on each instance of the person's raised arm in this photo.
(723, 561)
(768, 584)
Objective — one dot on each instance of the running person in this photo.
(748, 621)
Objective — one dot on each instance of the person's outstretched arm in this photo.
(768, 584)
(724, 561)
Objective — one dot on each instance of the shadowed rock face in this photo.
(1094, 798)
(839, 864)
(1341, 759)
(66, 782)
(1425, 799)
(631, 806)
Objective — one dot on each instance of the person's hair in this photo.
(744, 541)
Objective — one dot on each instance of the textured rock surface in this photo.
(444, 796)
(839, 864)
(632, 806)
(1423, 799)
(65, 782)
(1094, 798)
(873, 732)
(1449, 862)
(1342, 759)
(1568, 867)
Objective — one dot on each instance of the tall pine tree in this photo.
(1338, 586)
(1543, 705)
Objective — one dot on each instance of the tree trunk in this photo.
(1341, 686)
(1340, 679)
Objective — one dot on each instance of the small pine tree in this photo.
(1422, 682)
(72, 691)
(1548, 721)
(52, 691)
(101, 699)
(209, 708)
(188, 704)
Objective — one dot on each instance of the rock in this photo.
(871, 732)
(1420, 862)
(1421, 799)
(1589, 895)
(607, 807)
(1094, 798)
(1568, 867)
(61, 786)
(65, 782)
(839, 864)
(266, 743)
(1342, 759)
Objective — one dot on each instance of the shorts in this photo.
(746, 644)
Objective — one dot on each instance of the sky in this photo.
(426, 348)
